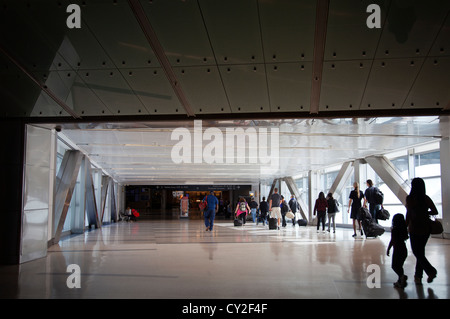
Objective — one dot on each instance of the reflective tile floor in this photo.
(179, 259)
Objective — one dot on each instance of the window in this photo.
(428, 167)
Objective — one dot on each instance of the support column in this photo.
(78, 201)
(114, 188)
(274, 183)
(411, 165)
(90, 198)
(294, 190)
(105, 187)
(341, 179)
(359, 177)
(313, 193)
(12, 157)
(65, 184)
(445, 185)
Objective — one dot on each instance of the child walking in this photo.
(399, 234)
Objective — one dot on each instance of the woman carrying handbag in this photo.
(419, 207)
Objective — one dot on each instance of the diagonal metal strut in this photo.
(152, 39)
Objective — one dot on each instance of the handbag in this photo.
(436, 227)
(337, 206)
(290, 215)
(383, 214)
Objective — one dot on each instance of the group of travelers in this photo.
(277, 207)
(323, 206)
(129, 215)
(415, 226)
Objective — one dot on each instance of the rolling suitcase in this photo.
(273, 223)
(364, 214)
(372, 229)
(302, 222)
(237, 222)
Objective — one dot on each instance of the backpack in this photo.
(378, 196)
(242, 206)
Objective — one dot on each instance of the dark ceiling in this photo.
(162, 59)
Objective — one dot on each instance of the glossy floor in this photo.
(179, 259)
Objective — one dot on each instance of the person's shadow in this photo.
(420, 293)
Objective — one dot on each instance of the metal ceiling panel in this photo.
(45, 106)
(90, 52)
(35, 38)
(441, 45)
(246, 87)
(84, 101)
(119, 33)
(289, 86)
(343, 85)
(411, 28)
(204, 89)
(424, 95)
(389, 83)
(152, 88)
(252, 49)
(112, 89)
(13, 84)
(234, 30)
(181, 31)
(287, 28)
(348, 37)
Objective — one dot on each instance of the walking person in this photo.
(369, 197)
(263, 210)
(399, 234)
(354, 203)
(419, 207)
(253, 207)
(284, 210)
(212, 206)
(332, 210)
(295, 207)
(242, 210)
(320, 207)
(274, 206)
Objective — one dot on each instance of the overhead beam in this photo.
(320, 35)
(390, 175)
(152, 39)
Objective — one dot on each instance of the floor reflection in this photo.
(179, 259)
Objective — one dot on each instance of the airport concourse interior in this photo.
(226, 149)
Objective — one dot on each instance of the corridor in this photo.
(178, 259)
